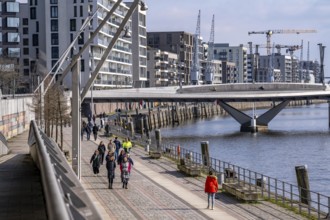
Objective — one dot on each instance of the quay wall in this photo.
(15, 117)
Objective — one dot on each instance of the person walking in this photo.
(211, 188)
(127, 145)
(111, 146)
(125, 168)
(95, 161)
(101, 149)
(111, 166)
(118, 146)
(95, 130)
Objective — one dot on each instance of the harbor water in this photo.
(296, 136)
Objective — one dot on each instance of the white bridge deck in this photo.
(247, 92)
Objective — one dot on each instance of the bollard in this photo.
(178, 150)
(147, 148)
(158, 138)
(205, 153)
(131, 128)
(303, 184)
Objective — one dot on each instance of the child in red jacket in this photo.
(211, 187)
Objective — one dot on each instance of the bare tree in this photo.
(9, 75)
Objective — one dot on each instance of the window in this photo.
(81, 38)
(14, 52)
(54, 25)
(13, 22)
(26, 72)
(35, 40)
(74, 11)
(37, 26)
(53, 1)
(13, 37)
(37, 53)
(72, 24)
(55, 53)
(12, 6)
(33, 13)
(26, 41)
(81, 11)
(26, 51)
(53, 11)
(54, 39)
(82, 65)
(82, 1)
(26, 62)
(25, 21)
(54, 63)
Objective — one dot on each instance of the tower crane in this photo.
(209, 73)
(269, 33)
(195, 65)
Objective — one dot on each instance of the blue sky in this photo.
(235, 18)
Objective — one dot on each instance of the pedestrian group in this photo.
(118, 155)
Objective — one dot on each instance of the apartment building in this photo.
(54, 24)
(163, 68)
(10, 45)
(178, 42)
(234, 54)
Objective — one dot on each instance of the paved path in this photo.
(21, 194)
(158, 191)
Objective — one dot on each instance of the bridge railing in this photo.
(269, 188)
(65, 197)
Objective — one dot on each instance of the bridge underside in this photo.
(253, 124)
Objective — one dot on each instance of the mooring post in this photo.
(205, 153)
(158, 138)
(303, 184)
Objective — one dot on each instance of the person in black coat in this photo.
(101, 149)
(95, 130)
(111, 166)
(95, 161)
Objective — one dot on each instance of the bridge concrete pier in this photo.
(255, 124)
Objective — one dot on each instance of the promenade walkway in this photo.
(156, 190)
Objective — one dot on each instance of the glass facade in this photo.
(14, 52)
(12, 7)
(13, 37)
(13, 22)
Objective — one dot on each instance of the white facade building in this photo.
(54, 24)
(235, 54)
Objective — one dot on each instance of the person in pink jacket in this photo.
(125, 168)
(211, 188)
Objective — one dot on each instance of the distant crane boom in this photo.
(209, 73)
(269, 33)
(195, 65)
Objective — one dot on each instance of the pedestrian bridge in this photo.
(279, 93)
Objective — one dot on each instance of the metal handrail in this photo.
(269, 188)
(64, 195)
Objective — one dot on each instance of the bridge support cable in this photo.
(261, 121)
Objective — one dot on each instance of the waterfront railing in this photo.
(286, 194)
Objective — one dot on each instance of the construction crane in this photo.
(269, 33)
(209, 73)
(290, 48)
(195, 65)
